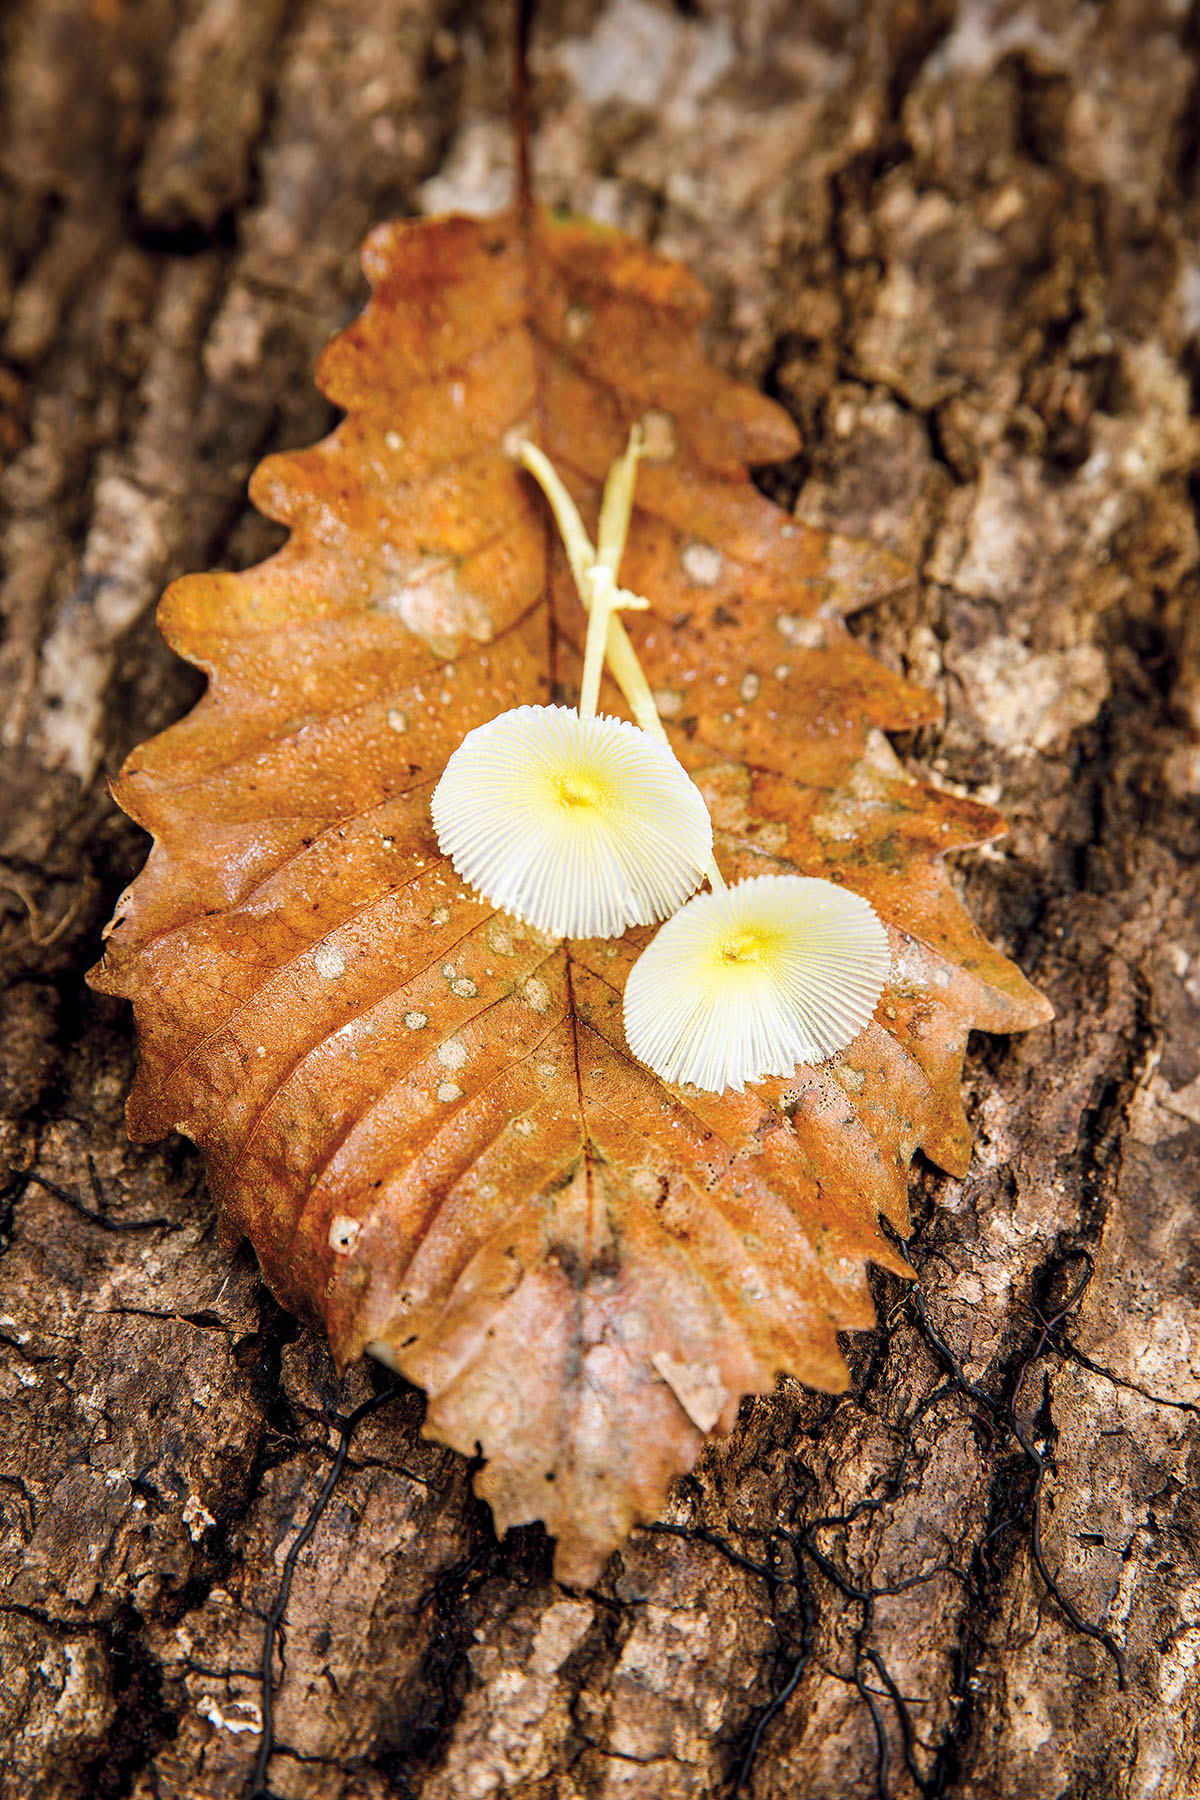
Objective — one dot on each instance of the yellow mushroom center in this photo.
(580, 788)
(745, 948)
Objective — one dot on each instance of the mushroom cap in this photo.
(581, 827)
(753, 979)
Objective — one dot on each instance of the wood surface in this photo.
(958, 242)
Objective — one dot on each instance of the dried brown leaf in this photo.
(422, 1114)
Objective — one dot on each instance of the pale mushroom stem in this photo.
(616, 508)
(595, 573)
(604, 599)
(580, 553)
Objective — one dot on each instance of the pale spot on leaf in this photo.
(577, 322)
(536, 993)
(342, 1234)
(702, 565)
(329, 962)
(659, 438)
(801, 633)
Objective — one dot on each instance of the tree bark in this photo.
(958, 241)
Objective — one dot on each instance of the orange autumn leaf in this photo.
(422, 1114)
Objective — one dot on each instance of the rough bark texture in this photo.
(958, 241)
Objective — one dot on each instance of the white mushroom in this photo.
(750, 980)
(581, 827)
